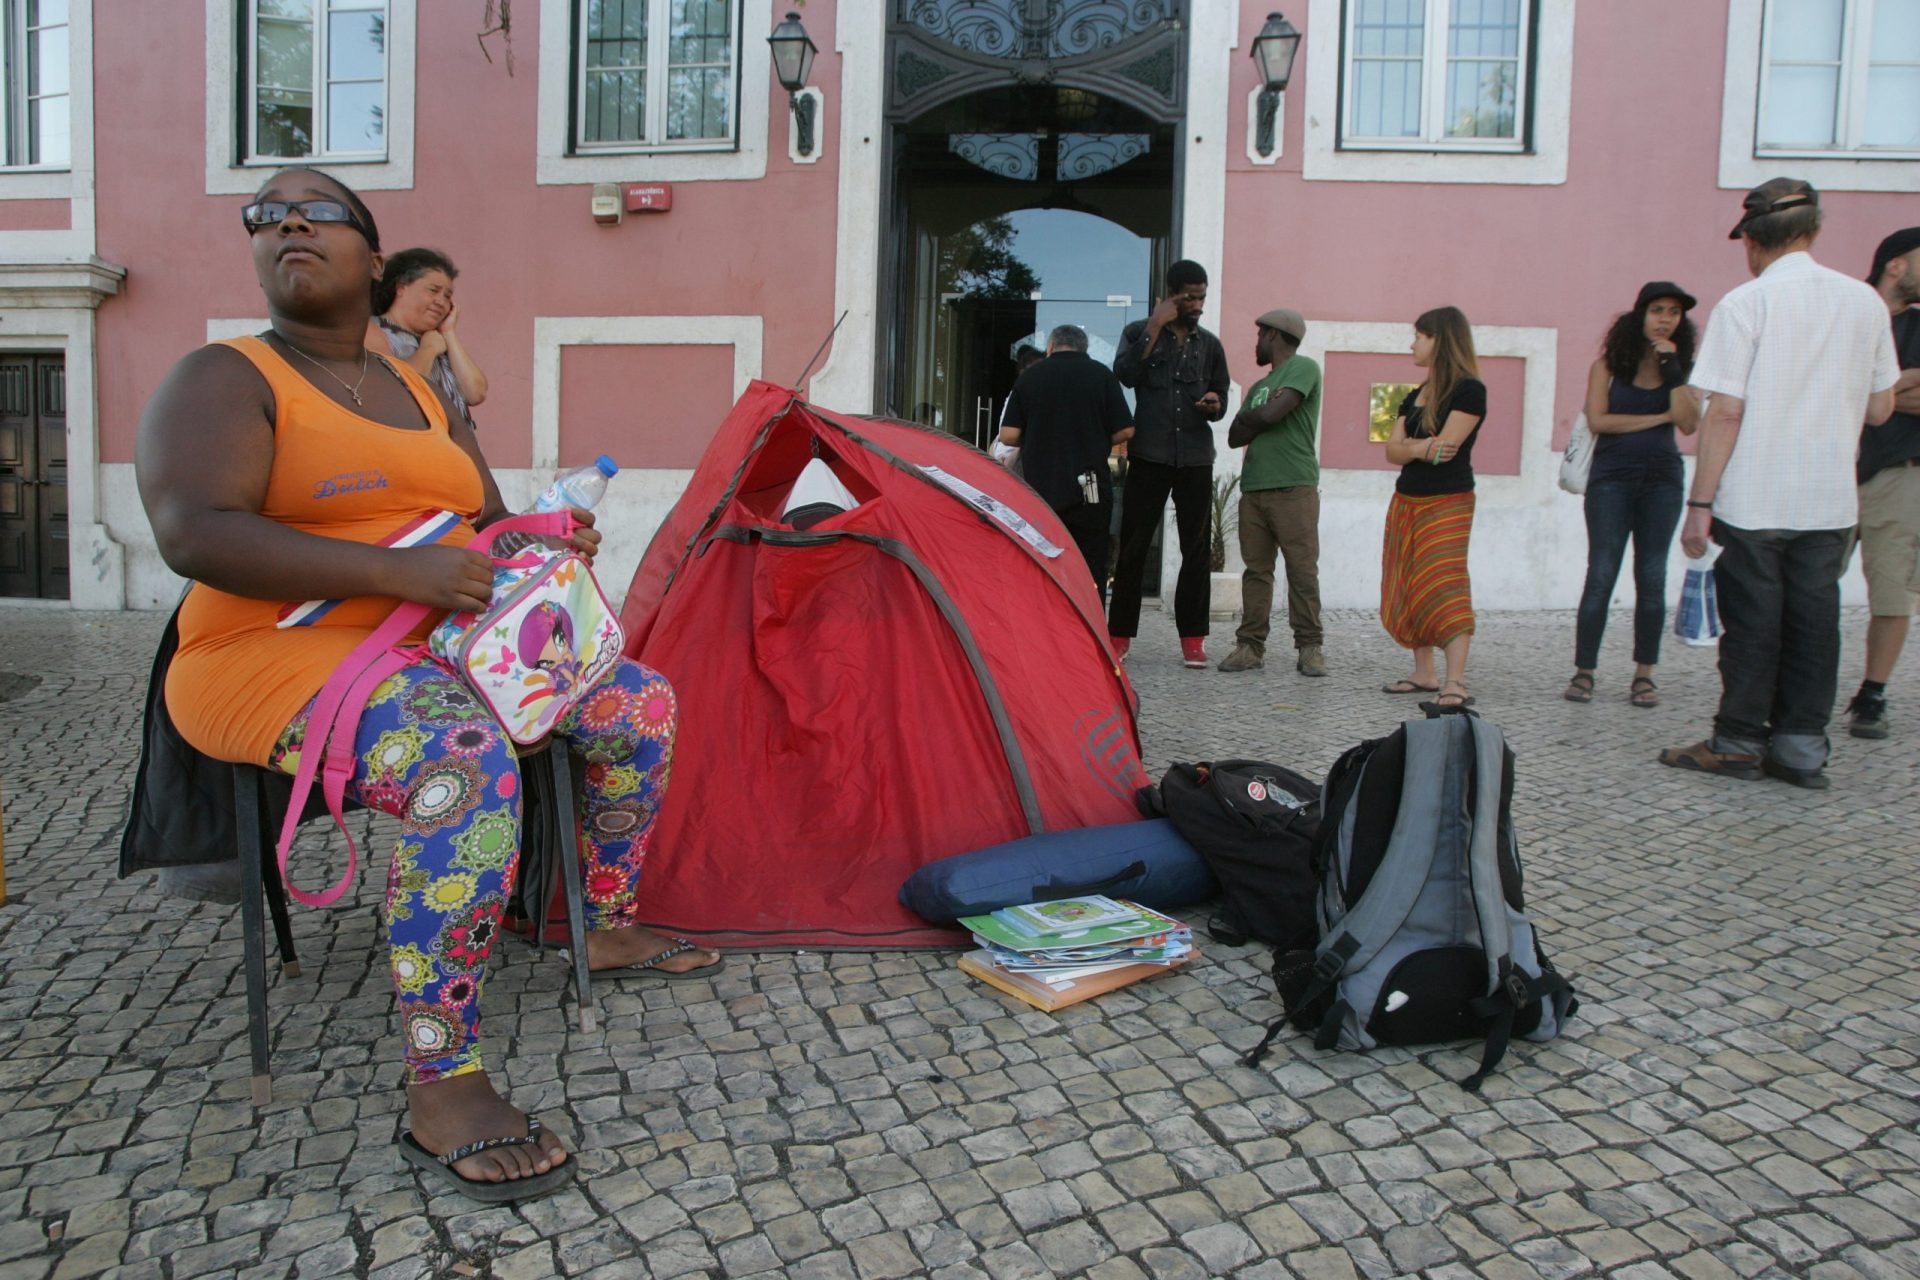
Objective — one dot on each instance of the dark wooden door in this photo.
(33, 476)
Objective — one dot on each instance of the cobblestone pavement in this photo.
(1736, 1097)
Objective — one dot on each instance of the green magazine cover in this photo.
(1142, 924)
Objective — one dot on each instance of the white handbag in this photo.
(1577, 462)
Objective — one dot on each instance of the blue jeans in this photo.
(1644, 505)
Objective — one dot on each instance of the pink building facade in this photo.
(980, 171)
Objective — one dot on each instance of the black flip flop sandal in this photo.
(508, 1189)
(1461, 699)
(1410, 687)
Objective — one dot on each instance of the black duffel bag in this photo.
(1254, 824)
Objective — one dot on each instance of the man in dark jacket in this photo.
(1178, 372)
(1065, 414)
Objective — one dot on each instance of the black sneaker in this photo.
(1868, 714)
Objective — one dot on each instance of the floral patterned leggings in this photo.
(431, 755)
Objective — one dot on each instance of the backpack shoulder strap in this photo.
(1508, 989)
(1483, 851)
(1389, 897)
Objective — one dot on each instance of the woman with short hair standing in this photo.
(1636, 396)
(1426, 600)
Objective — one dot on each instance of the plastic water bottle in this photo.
(581, 487)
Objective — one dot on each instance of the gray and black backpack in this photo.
(1424, 936)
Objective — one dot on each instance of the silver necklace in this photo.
(353, 389)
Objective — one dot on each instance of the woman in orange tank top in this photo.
(277, 472)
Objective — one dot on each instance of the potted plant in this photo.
(1224, 601)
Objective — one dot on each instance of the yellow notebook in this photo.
(1043, 995)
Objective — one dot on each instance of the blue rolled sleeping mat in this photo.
(1145, 862)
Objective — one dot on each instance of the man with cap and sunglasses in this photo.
(1279, 425)
(1794, 360)
(1889, 475)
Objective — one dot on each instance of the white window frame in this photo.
(1549, 80)
(1742, 164)
(1856, 60)
(228, 136)
(13, 101)
(72, 181)
(1433, 84)
(657, 68)
(560, 163)
(322, 85)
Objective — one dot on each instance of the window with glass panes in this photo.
(1436, 74)
(36, 108)
(1840, 75)
(655, 73)
(316, 78)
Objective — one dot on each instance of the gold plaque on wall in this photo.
(1383, 406)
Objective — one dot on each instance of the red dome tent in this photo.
(907, 680)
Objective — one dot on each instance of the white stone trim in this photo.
(819, 100)
(1741, 169)
(553, 166)
(1212, 37)
(1538, 347)
(845, 381)
(1551, 84)
(219, 330)
(75, 183)
(550, 333)
(1253, 128)
(395, 173)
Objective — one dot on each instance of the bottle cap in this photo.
(607, 466)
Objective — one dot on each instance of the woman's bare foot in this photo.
(451, 1113)
(618, 948)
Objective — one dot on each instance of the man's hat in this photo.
(1776, 195)
(1285, 320)
(1894, 246)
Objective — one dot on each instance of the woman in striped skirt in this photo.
(1426, 602)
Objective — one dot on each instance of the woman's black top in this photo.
(1633, 455)
(1422, 479)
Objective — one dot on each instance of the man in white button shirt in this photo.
(1795, 360)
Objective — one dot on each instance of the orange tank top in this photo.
(240, 677)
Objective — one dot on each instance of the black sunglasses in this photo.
(269, 213)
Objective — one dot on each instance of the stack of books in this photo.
(1053, 954)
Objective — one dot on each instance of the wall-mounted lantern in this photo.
(1273, 52)
(793, 52)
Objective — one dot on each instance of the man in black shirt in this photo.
(1889, 477)
(1178, 372)
(1065, 414)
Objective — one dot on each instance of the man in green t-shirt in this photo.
(1279, 425)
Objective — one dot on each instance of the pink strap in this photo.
(333, 725)
(334, 717)
(546, 524)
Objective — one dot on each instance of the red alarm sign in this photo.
(654, 197)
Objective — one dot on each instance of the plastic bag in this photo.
(1697, 620)
(1577, 462)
